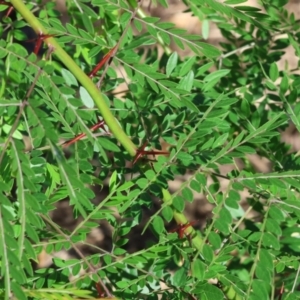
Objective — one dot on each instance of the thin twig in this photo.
(10, 104)
(296, 280)
(235, 51)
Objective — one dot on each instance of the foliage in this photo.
(213, 108)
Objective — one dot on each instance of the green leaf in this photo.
(122, 284)
(207, 253)
(152, 30)
(189, 104)
(142, 183)
(158, 224)
(125, 17)
(209, 50)
(195, 186)
(76, 269)
(167, 213)
(260, 289)
(138, 25)
(266, 259)
(211, 292)
(215, 240)
(187, 194)
(271, 86)
(220, 140)
(217, 75)
(180, 277)
(245, 108)
(178, 42)
(16, 134)
(204, 68)
(86, 20)
(284, 85)
(126, 186)
(205, 29)
(198, 269)
(152, 84)
(69, 77)
(150, 175)
(274, 74)
(269, 240)
(18, 292)
(178, 203)
(86, 98)
(184, 157)
(56, 23)
(107, 144)
(172, 63)
(113, 181)
(186, 83)
(187, 66)
(276, 214)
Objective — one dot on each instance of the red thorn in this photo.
(38, 41)
(10, 8)
(98, 125)
(101, 63)
(180, 229)
(9, 11)
(101, 293)
(140, 152)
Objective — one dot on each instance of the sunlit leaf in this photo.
(86, 98)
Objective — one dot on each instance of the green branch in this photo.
(96, 95)
(86, 82)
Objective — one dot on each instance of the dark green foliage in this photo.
(249, 246)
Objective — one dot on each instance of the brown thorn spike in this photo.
(39, 40)
(98, 125)
(180, 229)
(140, 152)
(106, 58)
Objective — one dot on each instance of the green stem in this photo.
(96, 95)
(86, 82)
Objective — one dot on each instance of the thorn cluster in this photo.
(141, 152)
